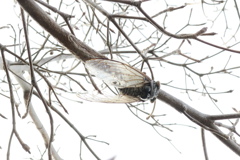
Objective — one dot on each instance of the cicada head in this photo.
(150, 91)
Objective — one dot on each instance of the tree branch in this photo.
(77, 47)
(197, 117)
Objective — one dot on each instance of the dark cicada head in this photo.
(150, 91)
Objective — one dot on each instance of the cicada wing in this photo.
(115, 73)
(104, 98)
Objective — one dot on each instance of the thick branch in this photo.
(77, 47)
(197, 117)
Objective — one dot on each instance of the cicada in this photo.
(133, 85)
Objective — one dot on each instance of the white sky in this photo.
(129, 138)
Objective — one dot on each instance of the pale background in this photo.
(129, 138)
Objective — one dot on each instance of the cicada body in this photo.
(132, 83)
(148, 91)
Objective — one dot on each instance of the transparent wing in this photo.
(116, 73)
(104, 98)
